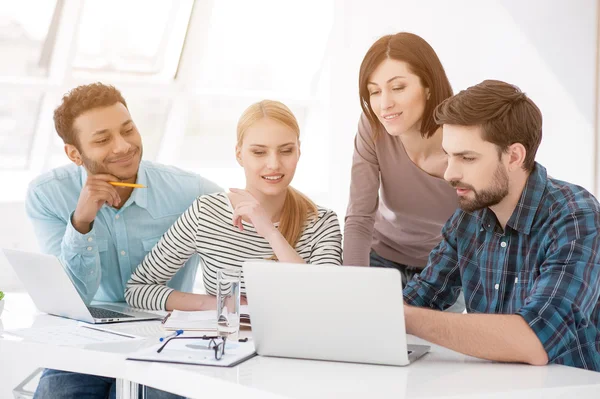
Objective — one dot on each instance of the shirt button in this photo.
(117, 217)
(503, 244)
(123, 253)
(90, 239)
(89, 248)
(516, 280)
(497, 286)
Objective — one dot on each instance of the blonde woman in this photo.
(268, 219)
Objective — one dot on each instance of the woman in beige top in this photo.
(399, 200)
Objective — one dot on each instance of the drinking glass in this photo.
(228, 302)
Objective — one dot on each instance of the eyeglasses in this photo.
(213, 344)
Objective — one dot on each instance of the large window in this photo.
(187, 68)
(65, 43)
(279, 51)
(115, 37)
(25, 37)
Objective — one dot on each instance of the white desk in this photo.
(440, 374)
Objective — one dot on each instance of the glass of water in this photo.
(228, 302)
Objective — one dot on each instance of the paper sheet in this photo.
(74, 335)
(138, 329)
(199, 320)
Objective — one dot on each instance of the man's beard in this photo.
(488, 197)
(95, 168)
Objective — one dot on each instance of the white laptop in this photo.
(52, 291)
(348, 314)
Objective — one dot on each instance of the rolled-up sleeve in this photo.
(567, 290)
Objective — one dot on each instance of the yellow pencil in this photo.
(119, 184)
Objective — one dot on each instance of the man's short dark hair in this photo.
(505, 114)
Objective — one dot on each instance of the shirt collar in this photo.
(527, 207)
(488, 219)
(522, 217)
(139, 195)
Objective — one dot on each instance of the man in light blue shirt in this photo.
(101, 260)
(101, 230)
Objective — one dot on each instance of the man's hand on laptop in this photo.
(95, 193)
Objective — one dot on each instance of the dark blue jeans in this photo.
(407, 273)
(57, 384)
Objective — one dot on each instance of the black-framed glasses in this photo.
(216, 343)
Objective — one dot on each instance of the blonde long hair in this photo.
(297, 207)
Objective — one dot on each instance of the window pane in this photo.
(114, 36)
(22, 37)
(249, 49)
(17, 127)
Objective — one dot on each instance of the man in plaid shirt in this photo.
(524, 247)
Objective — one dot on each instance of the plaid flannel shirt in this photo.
(545, 267)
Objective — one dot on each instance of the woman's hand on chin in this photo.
(248, 207)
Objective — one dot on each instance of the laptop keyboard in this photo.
(99, 313)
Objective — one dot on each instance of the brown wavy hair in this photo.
(297, 208)
(505, 114)
(79, 100)
(421, 60)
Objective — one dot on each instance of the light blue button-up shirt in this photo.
(101, 262)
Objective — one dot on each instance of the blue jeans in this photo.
(407, 273)
(57, 384)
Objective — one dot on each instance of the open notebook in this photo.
(203, 320)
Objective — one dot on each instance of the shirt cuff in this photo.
(80, 242)
(411, 294)
(550, 327)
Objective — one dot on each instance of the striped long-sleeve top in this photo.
(206, 229)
